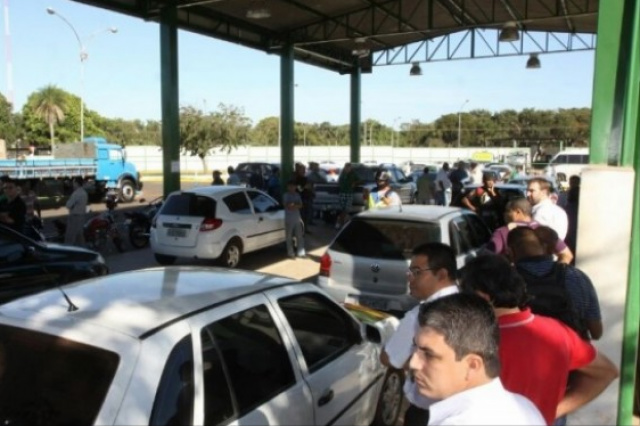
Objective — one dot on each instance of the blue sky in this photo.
(122, 74)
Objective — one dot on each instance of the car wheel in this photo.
(231, 254)
(163, 259)
(390, 400)
(138, 236)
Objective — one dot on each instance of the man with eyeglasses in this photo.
(431, 275)
(14, 210)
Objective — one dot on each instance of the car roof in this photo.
(137, 303)
(418, 213)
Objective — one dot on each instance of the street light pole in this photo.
(460, 120)
(84, 55)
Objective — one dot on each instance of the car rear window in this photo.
(186, 204)
(385, 239)
(49, 380)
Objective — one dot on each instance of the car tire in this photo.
(390, 400)
(232, 254)
(164, 259)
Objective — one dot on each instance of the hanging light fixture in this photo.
(415, 69)
(509, 32)
(533, 62)
(258, 10)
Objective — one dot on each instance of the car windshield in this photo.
(385, 239)
(49, 380)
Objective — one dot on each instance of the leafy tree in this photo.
(10, 128)
(224, 129)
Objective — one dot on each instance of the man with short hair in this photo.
(458, 177)
(545, 211)
(533, 262)
(14, 213)
(518, 213)
(431, 274)
(77, 205)
(443, 186)
(456, 361)
(425, 187)
(537, 353)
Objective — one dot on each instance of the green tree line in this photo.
(52, 115)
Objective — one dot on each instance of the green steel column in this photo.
(608, 88)
(355, 113)
(170, 108)
(631, 157)
(286, 113)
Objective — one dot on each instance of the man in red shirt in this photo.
(537, 353)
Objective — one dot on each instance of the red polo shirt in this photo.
(537, 353)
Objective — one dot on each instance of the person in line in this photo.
(571, 208)
(475, 172)
(574, 292)
(14, 211)
(217, 178)
(456, 362)
(443, 186)
(305, 189)
(486, 201)
(77, 205)
(518, 213)
(293, 228)
(314, 176)
(431, 275)
(347, 182)
(458, 177)
(383, 195)
(545, 211)
(426, 188)
(232, 178)
(537, 353)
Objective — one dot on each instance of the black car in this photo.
(256, 174)
(27, 266)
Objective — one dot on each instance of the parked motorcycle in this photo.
(139, 223)
(98, 230)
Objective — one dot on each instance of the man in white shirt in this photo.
(545, 211)
(431, 275)
(77, 205)
(443, 186)
(456, 362)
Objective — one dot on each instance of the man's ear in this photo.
(475, 366)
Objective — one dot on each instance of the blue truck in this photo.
(102, 164)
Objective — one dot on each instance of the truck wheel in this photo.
(164, 259)
(231, 254)
(127, 191)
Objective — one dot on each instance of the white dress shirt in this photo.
(399, 348)
(489, 404)
(549, 214)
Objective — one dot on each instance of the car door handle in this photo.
(325, 398)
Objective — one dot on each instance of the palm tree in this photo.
(49, 103)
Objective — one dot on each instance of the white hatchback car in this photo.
(367, 261)
(190, 345)
(216, 222)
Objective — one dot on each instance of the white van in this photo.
(567, 163)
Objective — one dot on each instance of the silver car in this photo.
(191, 345)
(367, 261)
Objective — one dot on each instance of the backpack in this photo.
(549, 297)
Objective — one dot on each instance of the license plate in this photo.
(372, 302)
(176, 232)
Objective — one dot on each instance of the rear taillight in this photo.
(325, 265)
(210, 224)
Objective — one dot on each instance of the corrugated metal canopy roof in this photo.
(326, 32)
